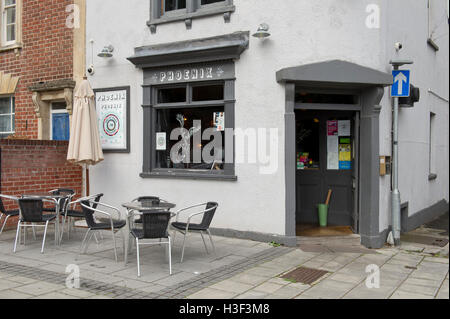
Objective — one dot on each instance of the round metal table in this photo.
(136, 208)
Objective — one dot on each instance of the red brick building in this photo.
(39, 69)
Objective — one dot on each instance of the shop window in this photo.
(7, 116)
(188, 130)
(165, 11)
(207, 92)
(172, 95)
(195, 121)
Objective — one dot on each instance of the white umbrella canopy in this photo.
(84, 143)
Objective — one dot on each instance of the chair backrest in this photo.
(64, 202)
(60, 191)
(31, 210)
(89, 210)
(148, 200)
(2, 207)
(155, 223)
(208, 216)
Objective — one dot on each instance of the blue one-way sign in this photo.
(400, 87)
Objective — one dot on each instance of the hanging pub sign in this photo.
(113, 112)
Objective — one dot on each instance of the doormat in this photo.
(305, 275)
(425, 240)
(315, 231)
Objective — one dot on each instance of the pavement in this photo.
(240, 269)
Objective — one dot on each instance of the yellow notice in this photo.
(345, 152)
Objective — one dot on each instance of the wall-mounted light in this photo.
(107, 52)
(262, 32)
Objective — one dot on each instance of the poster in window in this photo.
(113, 112)
(344, 128)
(161, 141)
(219, 121)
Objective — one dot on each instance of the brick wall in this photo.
(36, 166)
(46, 55)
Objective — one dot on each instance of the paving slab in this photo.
(210, 293)
(232, 286)
(39, 288)
(409, 295)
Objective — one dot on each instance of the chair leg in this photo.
(170, 256)
(137, 254)
(182, 250)
(88, 241)
(83, 241)
(4, 223)
(212, 243)
(34, 231)
(17, 236)
(115, 246)
(204, 242)
(43, 240)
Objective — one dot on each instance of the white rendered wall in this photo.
(407, 22)
(302, 32)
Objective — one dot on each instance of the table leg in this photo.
(126, 238)
(57, 224)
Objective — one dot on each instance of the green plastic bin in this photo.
(323, 214)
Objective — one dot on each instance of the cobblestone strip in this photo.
(177, 291)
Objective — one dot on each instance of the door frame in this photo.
(369, 110)
(356, 108)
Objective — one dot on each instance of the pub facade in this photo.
(265, 108)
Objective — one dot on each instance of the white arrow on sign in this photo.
(400, 78)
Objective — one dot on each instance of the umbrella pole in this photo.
(84, 180)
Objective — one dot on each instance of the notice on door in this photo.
(332, 145)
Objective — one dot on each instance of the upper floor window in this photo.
(165, 11)
(9, 22)
(170, 5)
(7, 116)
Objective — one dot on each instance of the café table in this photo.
(135, 209)
(50, 197)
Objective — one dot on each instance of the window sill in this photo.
(15, 46)
(432, 177)
(187, 17)
(188, 175)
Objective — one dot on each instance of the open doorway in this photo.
(327, 158)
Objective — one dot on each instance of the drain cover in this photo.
(305, 275)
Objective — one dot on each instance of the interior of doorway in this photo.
(318, 132)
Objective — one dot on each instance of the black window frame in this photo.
(149, 157)
(194, 9)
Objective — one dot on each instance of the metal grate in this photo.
(305, 275)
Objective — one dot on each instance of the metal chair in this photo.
(94, 225)
(7, 213)
(154, 226)
(31, 212)
(72, 213)
(143, 200)
(203, 226)
(69, 193)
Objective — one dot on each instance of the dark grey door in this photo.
(325, 160)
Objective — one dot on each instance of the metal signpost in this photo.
(400, 88)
